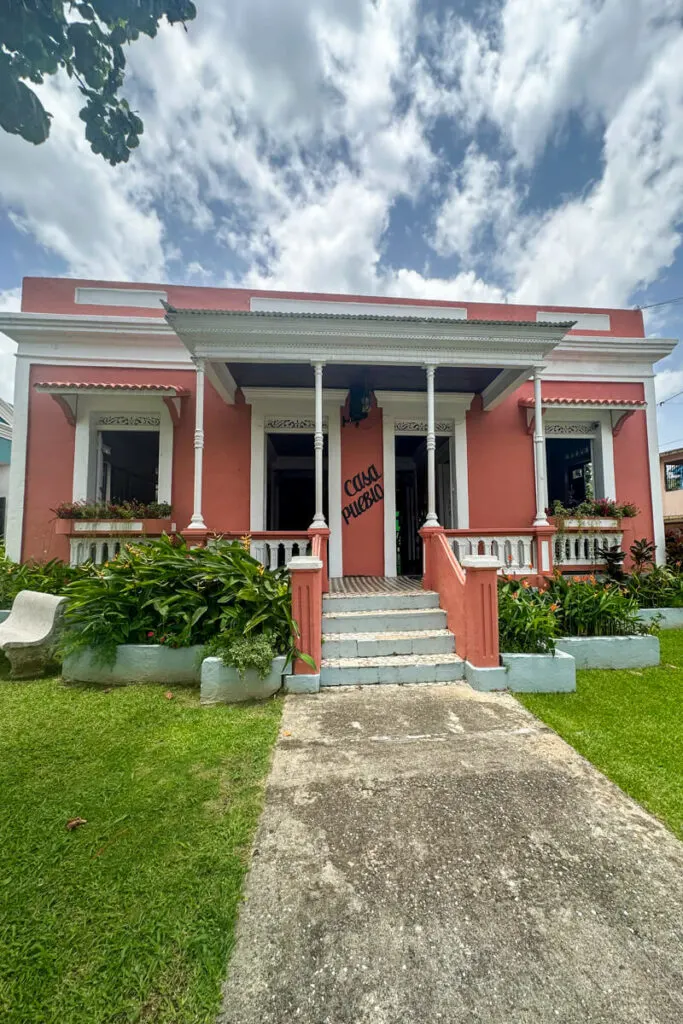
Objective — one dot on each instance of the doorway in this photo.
(569, 464)
(410, 453)
(290, 476)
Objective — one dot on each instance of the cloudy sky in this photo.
(529, 150)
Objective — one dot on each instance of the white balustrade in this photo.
(584, 548)
(515, 551)
(98, 549)
(276, 551)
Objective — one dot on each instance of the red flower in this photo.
(151, 633)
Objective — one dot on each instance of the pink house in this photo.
(266, 413)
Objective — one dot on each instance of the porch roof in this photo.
(492, 357)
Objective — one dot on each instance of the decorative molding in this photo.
(586, 429)
(420, 427)
(292, 424)
(128, 419)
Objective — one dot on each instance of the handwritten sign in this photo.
(365, 490)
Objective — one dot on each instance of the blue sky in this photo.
(529, 150)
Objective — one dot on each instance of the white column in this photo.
(318, 441)
(197, 521)
(655, 478)
(432, 518)
(461, 474)
(14, 524)
(539, 453)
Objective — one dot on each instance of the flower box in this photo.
(666, 618)
(113, 527)
(611, 651)
(588, 524)
(136, 663)
(221, 684)
(540, 673)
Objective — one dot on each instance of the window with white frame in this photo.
(673, 476)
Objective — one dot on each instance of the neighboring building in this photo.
(6, 420)
(671, 469)
(263, 412)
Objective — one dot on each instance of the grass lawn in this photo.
(630, 725)
(130, 916)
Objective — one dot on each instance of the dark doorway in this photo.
(411, 497)
(291, 481)
(129, 465)
(570, 470)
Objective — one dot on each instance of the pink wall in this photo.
(57, 295)
(50, 455)
(363, 534)
(501, 462)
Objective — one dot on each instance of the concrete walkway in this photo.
(434, 854)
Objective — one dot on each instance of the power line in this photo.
(676, 394)
(668, 302)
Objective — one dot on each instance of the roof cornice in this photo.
(650, 350)
(23, 326)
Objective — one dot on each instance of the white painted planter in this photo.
(591, 523)
(221, 684)
(611, 651)
(540, 673)
(136, 663)
(666, 618)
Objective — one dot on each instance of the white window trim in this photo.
(294, 403)
(399, 406)
(88, 411)
(603, 443)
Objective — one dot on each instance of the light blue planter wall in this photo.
(136, 663)
(221, 684)
(540, 673)
(611, 651)
(667, 618)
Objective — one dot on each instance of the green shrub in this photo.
(113, 510)
(165, 592)
(661, 587)
(590, 607)
(46, 577)
(526, 619)
(674, 549)
(244, 653)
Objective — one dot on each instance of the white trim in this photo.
(14, 523)
(262, 304)
(389, 473)
(144, 298)
(88, 410)
(603, 447)
(584, 321)
(504, 385)
(221, 380)
(602, 439)
(257, 492)
(334, 490)
(655, 473)
(462, 485)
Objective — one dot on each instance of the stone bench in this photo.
(29, 634)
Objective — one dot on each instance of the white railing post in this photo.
(539, 453)
(318, 442)
(432, 518)
(197, 520)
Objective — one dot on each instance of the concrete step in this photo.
(388, 621)
(409, 668)
(334, 603)
(373, 645)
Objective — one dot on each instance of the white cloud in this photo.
(476, 200)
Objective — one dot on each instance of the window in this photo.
(128, 465)
(673, 476)
(569, 469)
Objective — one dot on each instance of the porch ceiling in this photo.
(461, 379)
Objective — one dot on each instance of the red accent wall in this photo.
(50, 455)
(362, 535)
(57, 295)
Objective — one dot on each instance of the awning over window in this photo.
(586, 403)
(65, 394)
